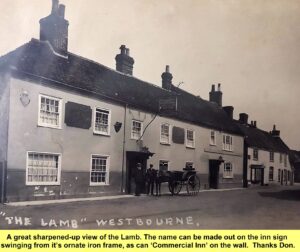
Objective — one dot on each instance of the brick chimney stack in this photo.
(216, 96)
(275, 132)
(167, 79)
(124, 63)
(54, 28)
(243, 118)
(229, 111)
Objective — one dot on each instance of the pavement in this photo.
(122, 196)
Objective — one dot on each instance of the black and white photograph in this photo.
(150, 114)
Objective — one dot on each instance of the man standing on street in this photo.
(150, 179)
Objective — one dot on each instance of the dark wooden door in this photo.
(214, 174)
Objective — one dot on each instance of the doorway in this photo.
(257, 174)
(214, 167)
(132, 158)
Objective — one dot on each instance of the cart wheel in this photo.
(175, 187)
(193, 185)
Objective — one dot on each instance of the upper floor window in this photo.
(163, 165)
(213, 140)
(43, 168)
(136, 129)
(285, 160)
(271, 156)
(280, 158)
(49, 111)
(165, 133)
(102, 121)
(255, 154)
(227, 143)
(228, 171)
(271, 173)
(190, 138)
(99, 174)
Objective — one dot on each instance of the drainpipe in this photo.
(123, 150)
(245, 164)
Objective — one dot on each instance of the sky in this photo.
(251, 47)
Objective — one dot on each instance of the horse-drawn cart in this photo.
(187, 178)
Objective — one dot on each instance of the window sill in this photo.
(162, 143)
(228, 150)
(99, 184)
(49, 126)
(101, 134)
(42, 184)
(190, 147)
(227, 177)
(212, 144)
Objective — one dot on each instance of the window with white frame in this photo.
(228, 170)
(136, 129)
(99, 170)
(271, 173)
(227, 142)
(190, 138)
(163, 165)
(102, 121)
(285, 160)
(49, 111)
(271, 156)
(165, 133)
(213, 140)
(189, 165)
(255, 154)
(43, 168)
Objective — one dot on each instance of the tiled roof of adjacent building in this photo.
(37, 60)
(294, 156)
(261, 139)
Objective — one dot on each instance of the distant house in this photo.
(266, 155)
(295, 162)
(71, 127)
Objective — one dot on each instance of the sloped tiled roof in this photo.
(37, 60)
(294, 156)
(261, 139)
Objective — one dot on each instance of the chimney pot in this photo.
(167, 69)
(215, 96)
(219, 87)
(61, 10)
(54, 6)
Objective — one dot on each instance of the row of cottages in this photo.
(72, 127)
(295, 162)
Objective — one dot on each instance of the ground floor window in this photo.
(228, 171)
(271, 173)
(163, 165)
(279, 174)
(43, 168)
(99, 170)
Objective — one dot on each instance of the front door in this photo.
(131, 164)
(214, 166)
(257, 176)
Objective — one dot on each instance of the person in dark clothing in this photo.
(150, 179)
(139, 179)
